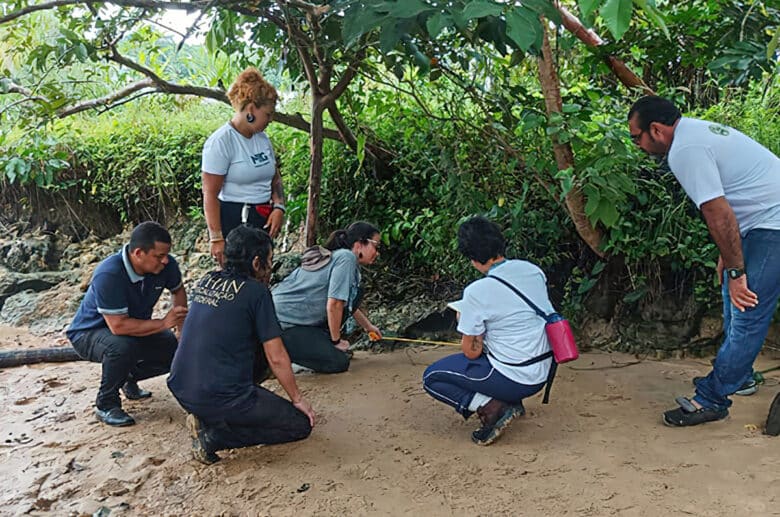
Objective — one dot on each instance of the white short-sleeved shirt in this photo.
(513, 331)
(248, 164)
(711, 160)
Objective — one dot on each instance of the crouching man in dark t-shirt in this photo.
(231, 315)
(114, 324)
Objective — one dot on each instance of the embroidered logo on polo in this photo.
(719, 130)
(260, 159)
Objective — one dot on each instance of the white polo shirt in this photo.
(711, 160)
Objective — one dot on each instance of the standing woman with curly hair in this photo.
(240, 173)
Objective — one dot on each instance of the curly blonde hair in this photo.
(250, 86)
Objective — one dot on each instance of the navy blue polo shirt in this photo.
(117, 289)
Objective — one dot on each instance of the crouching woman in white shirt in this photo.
(503, 338)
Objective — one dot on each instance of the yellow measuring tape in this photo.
(374, 337)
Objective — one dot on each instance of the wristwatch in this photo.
(735, 272)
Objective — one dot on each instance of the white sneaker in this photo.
(297, 368)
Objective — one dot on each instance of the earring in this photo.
(250, 118)
(360, 254)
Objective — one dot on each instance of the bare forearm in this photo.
(471, 346)
(335, 312)
(361, 319)
(277, 189)
(212, 184)
(180, 297)
(211, 211)
(724, 229)
(279, 362)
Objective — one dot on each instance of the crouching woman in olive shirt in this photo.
(231, 316)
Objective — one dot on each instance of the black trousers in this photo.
(125, 358)
(311, 347)
(230, 216)
(271, 420)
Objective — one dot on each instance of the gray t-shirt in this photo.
(711, 160)
(302, 297)
(248, 164)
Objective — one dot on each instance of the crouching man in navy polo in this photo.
(114, 324)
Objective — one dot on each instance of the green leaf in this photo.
(437, 22)
(544, 7)
(407, 8)
(770, 49)
(591, 207)
(80, 51)
(390, 36)
(522, 27)
(480, 9)
(607, 212)
(636, 295)
(69, 34)
(571, 108)
(617, 16)
(358, 22)
(361, 150)
(598, 268)
(587, 7)
(652, 12)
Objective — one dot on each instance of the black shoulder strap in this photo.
(553, 364)
(550, 374)
(521, 295)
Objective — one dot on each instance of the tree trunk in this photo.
(575, 200)
(624, 74)
(38, 355)
(315, 170)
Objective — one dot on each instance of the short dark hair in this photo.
(359, 231)
(242, 245)
(146, 234)
(481, 239)
(652, 108)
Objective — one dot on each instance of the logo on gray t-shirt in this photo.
(259, 159)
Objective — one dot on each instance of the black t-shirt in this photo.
(230, 316)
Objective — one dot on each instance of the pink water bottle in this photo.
(561, 339)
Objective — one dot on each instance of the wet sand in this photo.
(383, 447)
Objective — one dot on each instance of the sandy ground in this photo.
(383, 447)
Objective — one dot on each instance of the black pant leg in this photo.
(311, 347)
(271, 420)
(155, 355)
(117, 354)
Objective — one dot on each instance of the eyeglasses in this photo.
(375, 243)
(636, 138)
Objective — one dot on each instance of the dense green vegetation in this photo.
(460, 111)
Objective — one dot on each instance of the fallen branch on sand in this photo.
(38, 355)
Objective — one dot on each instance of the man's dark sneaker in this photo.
(133, 391)
(495, 417)
(199, 450)
(687, 414)
(747, 389)
(773, 418)
(114, 416)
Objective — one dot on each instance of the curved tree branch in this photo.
(108, 101)
(146, 4)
